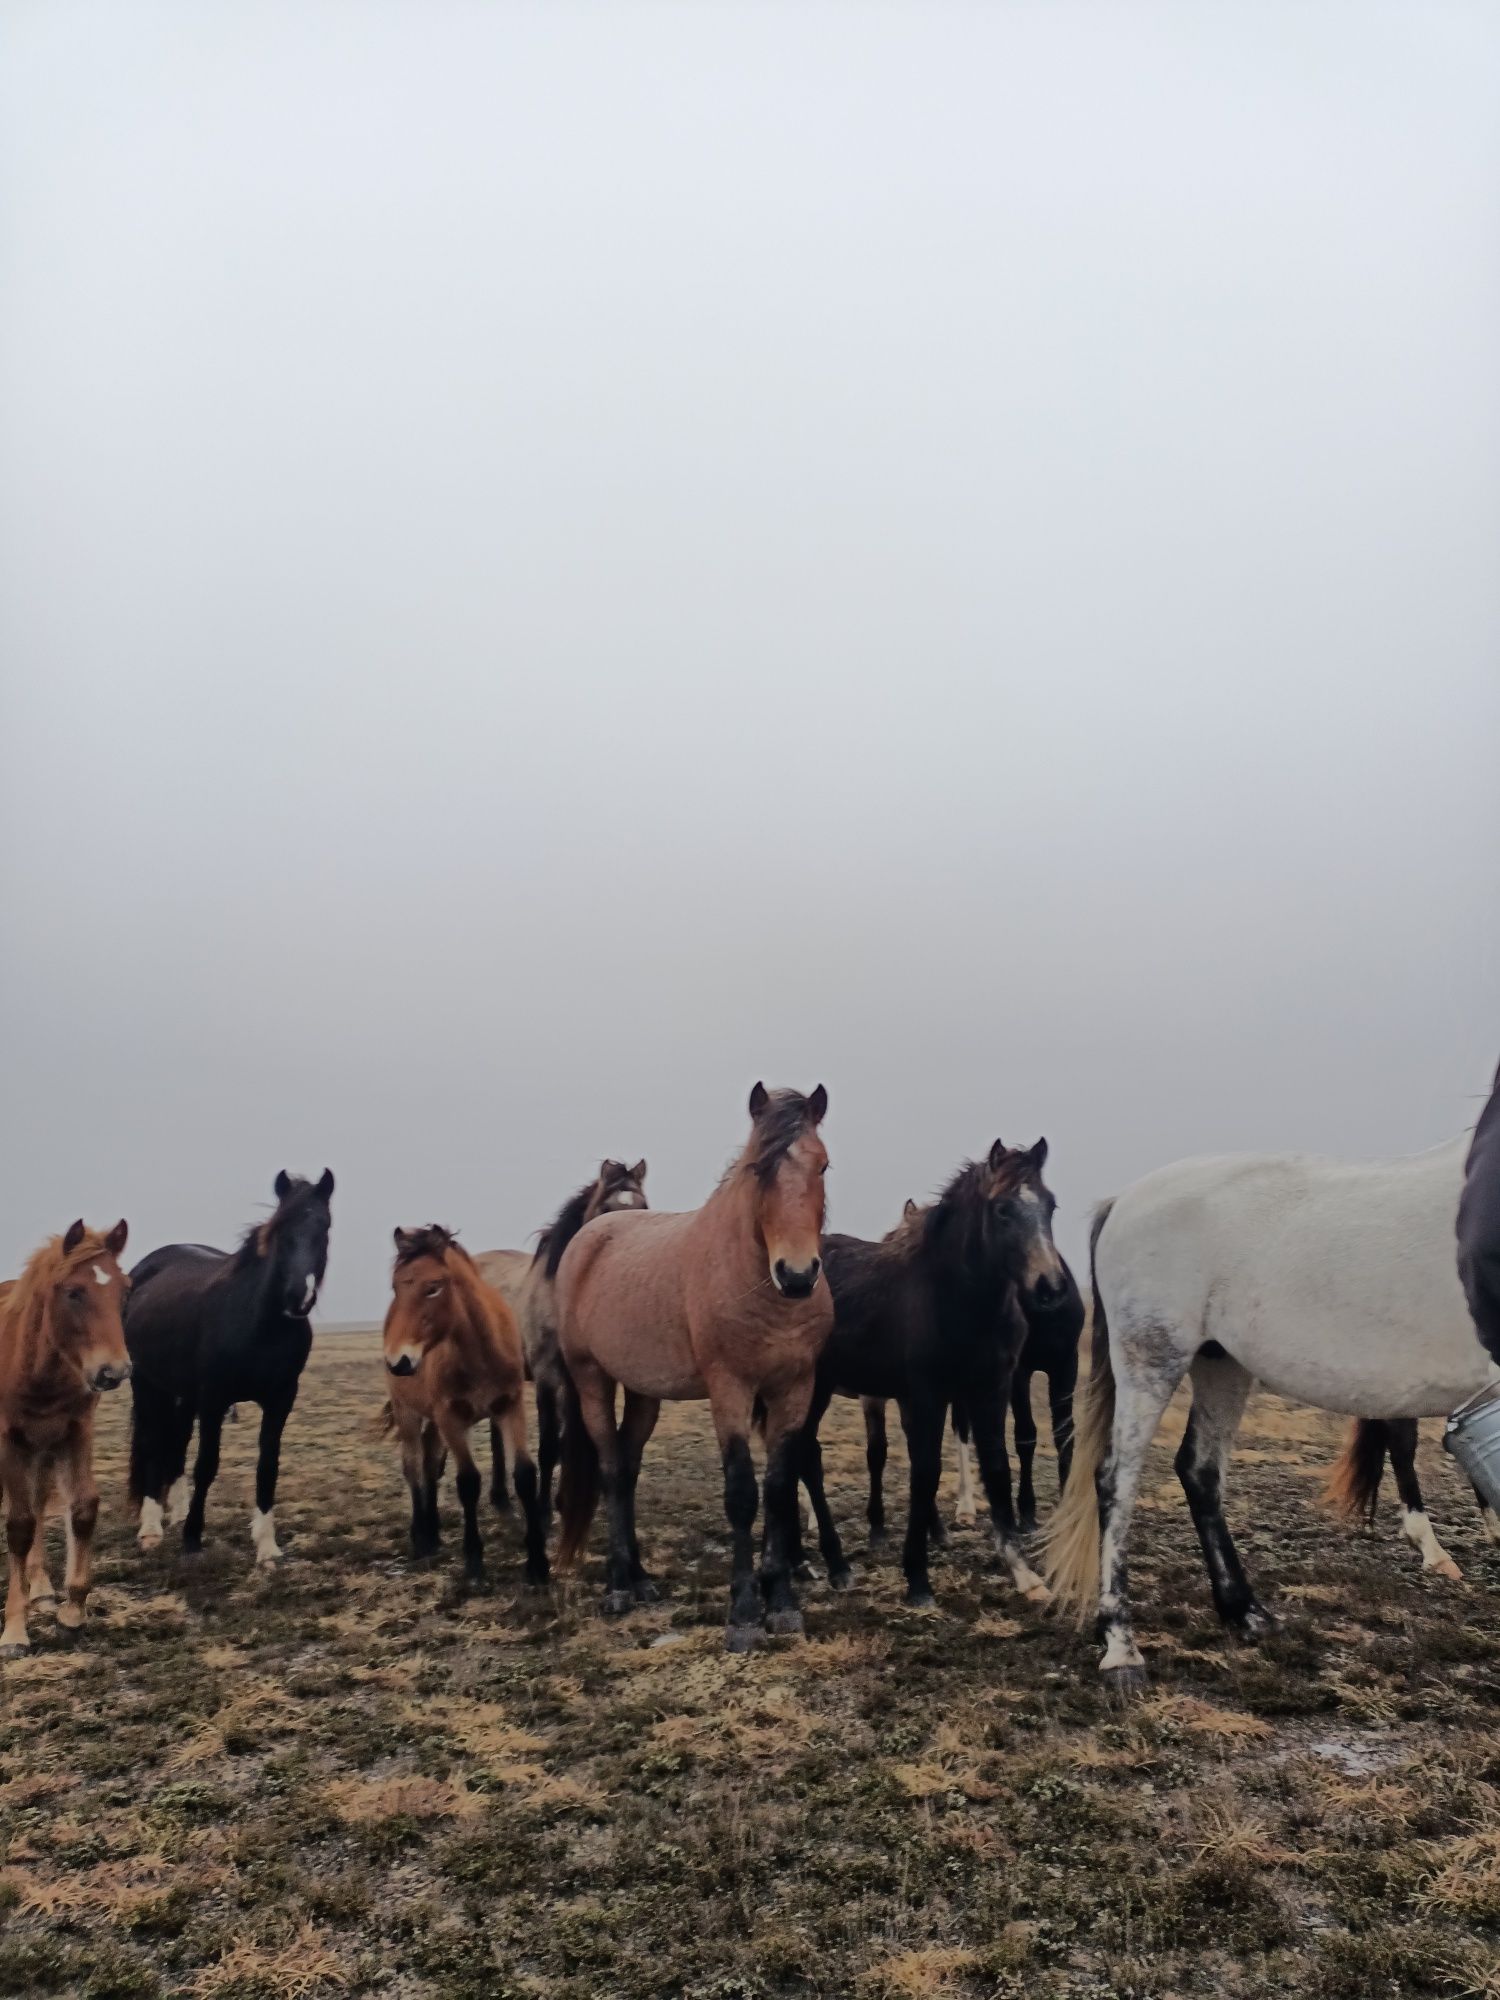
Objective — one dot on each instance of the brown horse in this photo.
(724, 1302)
(527, 1281)
(452, 1358)
(62, 1341)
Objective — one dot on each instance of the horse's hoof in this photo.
(474, 1572)
(1123, 1680)
(786, 1623)
(919, 1597)
(14, 1649)
(802, 1569)
(191, 1548)
(42, 1593)
(841, 1579)
(742, 1638)
(1256, 1623)
(644, 1590)
(616, 1603)
(146, 1543)
(877, 1538)
(70, 1616)
(1448, 1568)
(1037, 1593)
(538, 1578)
(1027, 1524)
(965, 1517)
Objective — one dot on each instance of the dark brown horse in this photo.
(527, 1281)
(62, 1341)
(726, 1302)
(452, 1359)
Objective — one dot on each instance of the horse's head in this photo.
(86, 1296)
(424, 1304)
(616, 1187)
(787, 1161)
(295, 1240)
(1022, 1205)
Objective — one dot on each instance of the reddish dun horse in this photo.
(527, 1281)
(724, 1302)
(62, 1341)
(452, 1358)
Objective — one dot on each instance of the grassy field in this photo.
(351, 1777)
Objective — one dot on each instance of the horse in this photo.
(1479, 1225)
(62, 1344)
(1333, 1284)
(932, 1315)
(728, 1302)
(452, 1353)
(208, 1328)
(527, 1281)
(1050, 1349)
(1353, 1488)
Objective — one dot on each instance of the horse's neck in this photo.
(28, 1356)
(472, 1331)
(727, 1221)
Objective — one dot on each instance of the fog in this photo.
(557, 560)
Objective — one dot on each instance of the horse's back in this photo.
(165, 1309)
(1333, 1282)
(621, 1299)
(877, 1317)
(507, 1272)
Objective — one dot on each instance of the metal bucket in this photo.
(1472, 1434)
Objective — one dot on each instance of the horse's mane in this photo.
(569, 1219)
(783, 1122)
(250, 1247)
(433, 1240)
(23, 1307)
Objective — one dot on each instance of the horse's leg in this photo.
(986, 1401)
(873, 1408)
(922, 1418)
(1025, 1423)
(18, 1477)
(1401, 1442)
(637, 1422)
(409, 1429)
(273, 1418)
(153, 1430)
(454, 1433)
(548, 1439)
(179, 1435)
(786, 1415)
(528, 1490)
(1146, 1375)
(81, 1497)
(1220, 1387)
(499, 1487)
(733, 1406)
(965, 1512)
(38, 1582)
(434, 1458)
(1062, 1379)
(834, 1559)
(596, 1406)
(205, 1471)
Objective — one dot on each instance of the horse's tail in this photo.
(384, 1420)
(578, 1485)
(1071, 1547)
(1354, 1483)
(135, 1477)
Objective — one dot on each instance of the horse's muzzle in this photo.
(402, 1365)
(792, 1283)
(110, 1377)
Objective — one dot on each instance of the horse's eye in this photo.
(433, 1290)
(76, 1295)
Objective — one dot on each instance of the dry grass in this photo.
(353, 1777)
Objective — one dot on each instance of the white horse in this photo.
(1332, 1284)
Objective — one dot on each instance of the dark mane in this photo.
(565, 1226)
(783, 1122)
(430, 1241)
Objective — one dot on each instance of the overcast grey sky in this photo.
(557, 559)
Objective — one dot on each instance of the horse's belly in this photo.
(1393, 1376)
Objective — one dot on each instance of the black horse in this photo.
(210, 1328)
(1479, 1226)
(933, 1316)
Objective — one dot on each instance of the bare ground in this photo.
(353, 1777)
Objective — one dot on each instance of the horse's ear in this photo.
(909, 1210)
(638, 1171)
(402, 1238)
(73, 1238)
(817, 1106)
(1038, 1156)
(997, 1155)
(114, 1243)
(760, 1097)
(325, 1184)
(281, 1187)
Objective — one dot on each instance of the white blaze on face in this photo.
(101, 1276)
(310, 1292)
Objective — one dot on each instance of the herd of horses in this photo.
(1368, 1290)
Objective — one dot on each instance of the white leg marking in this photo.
(178, 1495)
(263, 1535)
(1120, 1650)
(1491, 1522)
(1418, 1529)
(964, 1513)
(149, 1532)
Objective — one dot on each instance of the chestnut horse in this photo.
(62, 1341)
(452, 1358)
(527, 1281)
(724, 1302)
